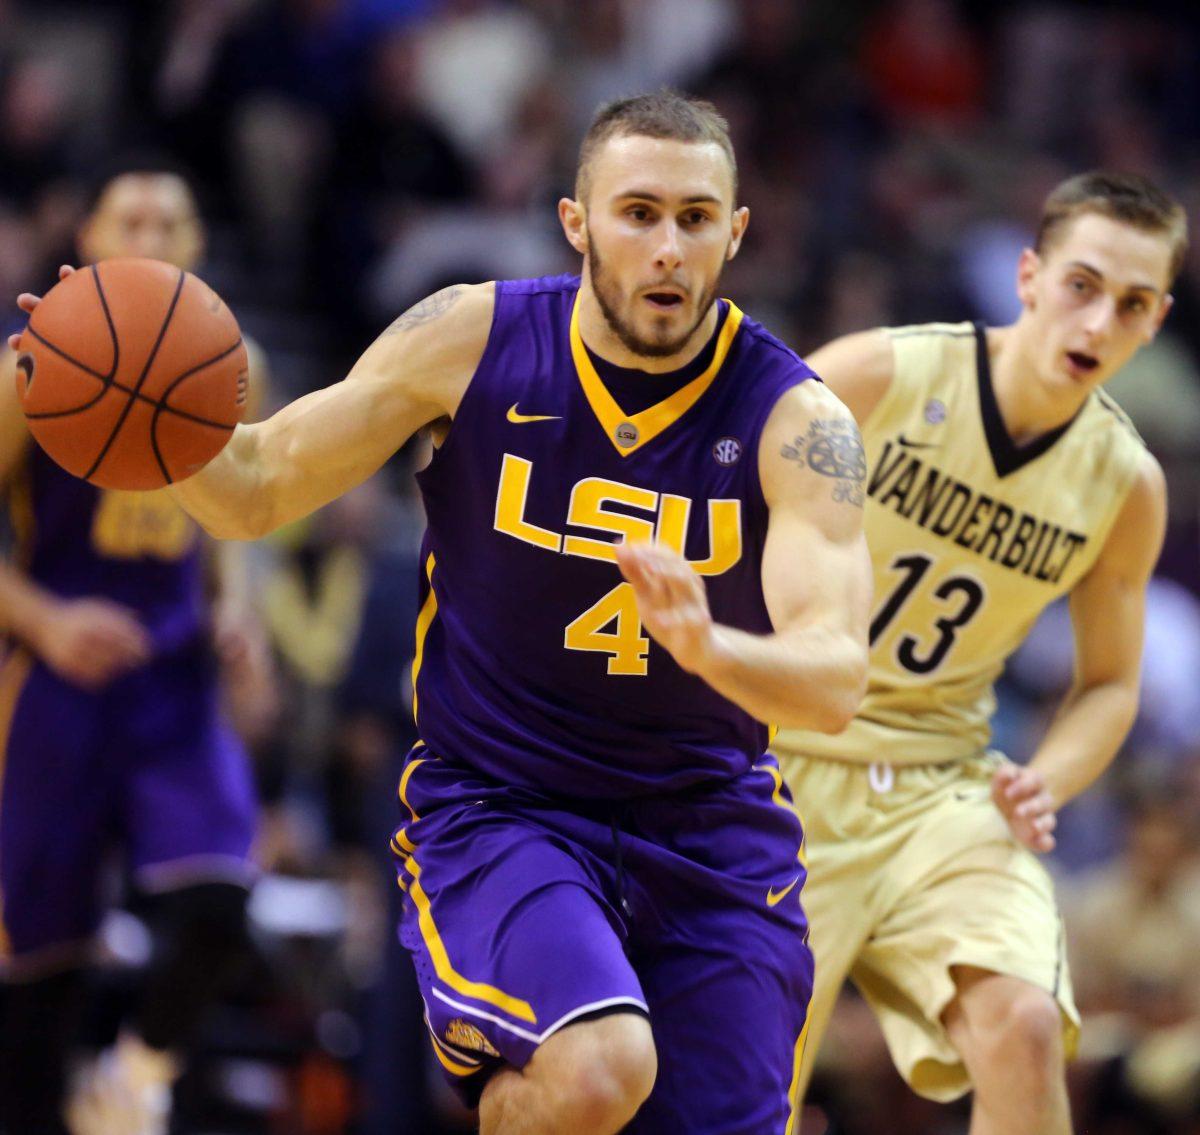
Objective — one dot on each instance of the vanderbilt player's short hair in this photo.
(1126, 197)
(663, 114)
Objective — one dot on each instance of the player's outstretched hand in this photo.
(27, 301)
(1020, 794)
(89, 642)
(671, 601)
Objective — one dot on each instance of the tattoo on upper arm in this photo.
(428, 309)
(833, 448)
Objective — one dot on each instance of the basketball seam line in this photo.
(167, 394)
(114, 385)
(162, 331)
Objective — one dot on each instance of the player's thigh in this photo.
(188, 802)
(991, 908)
(720, 936)
(729, 1030)
(509, 927)
(55, 799)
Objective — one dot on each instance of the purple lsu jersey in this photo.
(138, 549)
(532, 665)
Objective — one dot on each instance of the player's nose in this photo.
(669, 252)
(1100, 318)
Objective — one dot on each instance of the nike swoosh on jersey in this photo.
(520, 419)
(774, 897)
(917, 444)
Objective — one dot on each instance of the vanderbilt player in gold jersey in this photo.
(1000, 478)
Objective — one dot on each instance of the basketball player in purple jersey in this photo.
(111, 733)
(644, 541)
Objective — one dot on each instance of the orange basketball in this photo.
(132, 373)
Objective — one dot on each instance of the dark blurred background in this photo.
(354, 155)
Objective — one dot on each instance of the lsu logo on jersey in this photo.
(666, 517)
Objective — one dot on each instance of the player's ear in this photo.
(1163, 309)
(738, 223)
(1027, 270)
(573, 216)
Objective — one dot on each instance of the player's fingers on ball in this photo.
(14, 341)
(65, 270)
(27, 301)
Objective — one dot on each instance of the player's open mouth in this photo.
(664, 301)
(1081, 363)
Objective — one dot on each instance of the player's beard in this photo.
(608, 296)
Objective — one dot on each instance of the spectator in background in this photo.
(1134, 929)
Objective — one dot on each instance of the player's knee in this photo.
(1033, 1026)
(1021, 1034)
(606, 1073)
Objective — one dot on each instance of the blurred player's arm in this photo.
(816, 575)
(87, 641)
(858, 368)
(1108, 614)
(323, 444)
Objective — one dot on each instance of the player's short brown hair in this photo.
(663, 114)
(1126, 197)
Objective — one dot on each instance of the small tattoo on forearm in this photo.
(833, 448)
(427, 310)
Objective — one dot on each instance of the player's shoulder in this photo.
(1109, 417)
(559, 284)
(931, 331)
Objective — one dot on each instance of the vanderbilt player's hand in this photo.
(1020, 794)
(671, 601)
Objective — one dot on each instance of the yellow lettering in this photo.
(625, 645)
(724, 531)
(133, 526)
(510, 506)
(588, 499)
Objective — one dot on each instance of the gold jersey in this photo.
(971, 536)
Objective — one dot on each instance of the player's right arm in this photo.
(858, 368)
(323, 444)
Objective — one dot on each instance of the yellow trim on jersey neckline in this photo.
(650, 422)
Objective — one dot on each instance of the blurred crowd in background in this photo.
(352, 156)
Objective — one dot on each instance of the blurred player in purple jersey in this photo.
(111, 736)
(644, 542)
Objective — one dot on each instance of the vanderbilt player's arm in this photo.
(323, 444)
(816, 576)
(1108, 611)
(858, 368)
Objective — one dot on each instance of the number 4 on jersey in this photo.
(626, 645)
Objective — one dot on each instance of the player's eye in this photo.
(695, 218)
(638, 213)
(1136, 305)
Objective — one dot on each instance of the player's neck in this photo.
(1028, 406)
(602, 340)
